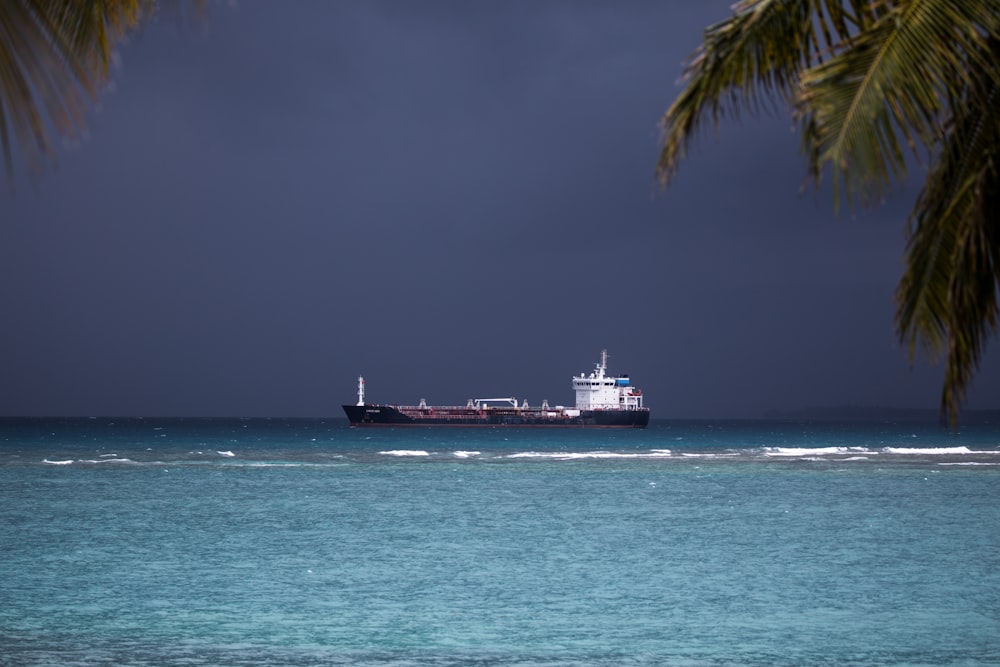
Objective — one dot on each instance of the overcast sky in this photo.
(455, 199)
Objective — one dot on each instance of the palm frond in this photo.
(54, 56)
(947, 297)
(753, 60)
(870, 82)
(885, 90)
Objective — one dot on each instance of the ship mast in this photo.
(361, 390)
(603, 365)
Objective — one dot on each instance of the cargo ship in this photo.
(601, 401)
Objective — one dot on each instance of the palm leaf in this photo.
(753, 61)
(885, 90)
(872, 82)
(54, 56)
(947, 297)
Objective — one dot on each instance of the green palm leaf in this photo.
(873, 82)
(753, 61)
(886, 90)
(947, 298)
(54, 56)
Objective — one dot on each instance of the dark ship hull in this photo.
(391, 415)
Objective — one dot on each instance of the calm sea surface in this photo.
(305, 542)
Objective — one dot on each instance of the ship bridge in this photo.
(598, 391)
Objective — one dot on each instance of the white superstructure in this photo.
(600, 392)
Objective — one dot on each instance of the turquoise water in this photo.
(269, 542)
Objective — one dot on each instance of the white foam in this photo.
(57, 463)
(967, 463)
(225, 453)
(861, 452)
(700, 455)
(405, 452)
(600, 455)
(465, 455)
(935, 451)
(568, 456)
(104, 456)
(807, 451)
(280, 465)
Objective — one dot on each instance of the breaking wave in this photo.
(652, 454)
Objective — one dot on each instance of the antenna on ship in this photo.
(604, 364)
(361, 390)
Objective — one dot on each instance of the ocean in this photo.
(306, 542)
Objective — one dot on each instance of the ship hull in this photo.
(390, 415)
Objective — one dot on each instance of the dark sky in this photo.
(455, 199)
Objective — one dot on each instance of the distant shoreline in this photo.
(873, 414)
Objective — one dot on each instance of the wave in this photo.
(838, 453)
(969, 463)
(932, 451)
(652, 454)
(862, 452)
(694, 455)
(267, 464)
(710, 455)
(67, 462)
(811, 451)
(198, 463)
